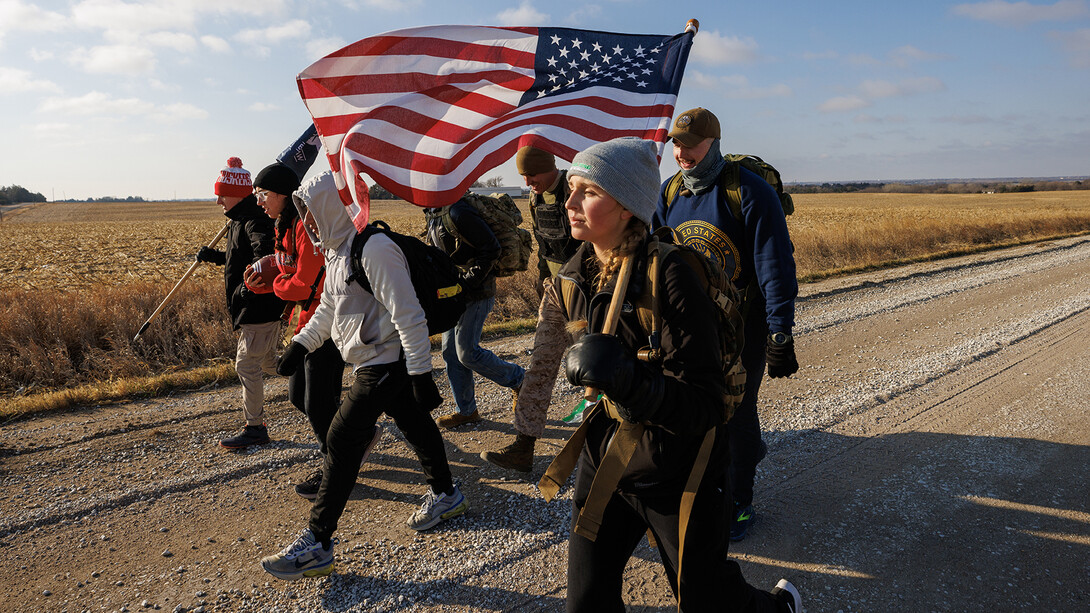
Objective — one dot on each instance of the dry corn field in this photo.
(80, 278)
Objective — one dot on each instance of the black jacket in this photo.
(474, 248)
(691, 365)
(249, 237)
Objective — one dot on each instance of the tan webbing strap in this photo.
(688, 497)
(614, 462)
(564, 463)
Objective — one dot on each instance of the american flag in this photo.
(426, 111)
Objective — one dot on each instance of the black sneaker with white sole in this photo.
(309, 487)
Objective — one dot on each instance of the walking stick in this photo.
(613, 315)
(192, 267)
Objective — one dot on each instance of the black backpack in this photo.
(434, 276)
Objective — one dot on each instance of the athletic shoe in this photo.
(371, 445)
(787, 595)
(309, 487)
(457, 419)
(250, 435)
(743, 518)
(436, 508)
(306, 557)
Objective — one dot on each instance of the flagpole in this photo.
(692, 25)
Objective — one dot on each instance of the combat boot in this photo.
(519, 455)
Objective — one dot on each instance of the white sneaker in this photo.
(304, 558)
(436, 508)
(788, 594)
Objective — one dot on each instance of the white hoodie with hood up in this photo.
(367, 329)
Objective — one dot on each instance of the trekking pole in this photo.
(613, 315)
(192, 267)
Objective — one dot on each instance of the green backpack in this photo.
(504, 217)
(731, 183)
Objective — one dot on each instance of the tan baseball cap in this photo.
(695, 125)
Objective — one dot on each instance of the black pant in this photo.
(711, 581)
(744, 429)
(315, 389)
(383, 388)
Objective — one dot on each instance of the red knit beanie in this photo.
(234, 181)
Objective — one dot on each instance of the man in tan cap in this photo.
(548, 193)
(748, 238)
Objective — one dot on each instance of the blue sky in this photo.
(110, 97)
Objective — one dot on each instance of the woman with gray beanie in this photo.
(669, 405)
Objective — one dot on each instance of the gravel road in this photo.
(930, 455)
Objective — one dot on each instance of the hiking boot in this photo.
(787, 595)
(306, 557)
(371, 445)
(743, 518)
(436, 508)
(457, 419)
(519, 455)
(309, 487)
(250, 435)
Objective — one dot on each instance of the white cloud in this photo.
(101, 104)
(1020, 13)
(841, 104)
(18, 16)
(823, 55)
(887, 119)
(736, 87)
(907, 54)
(216, 44)
(321, 47)
(259, 39)
(114, 59)
(261, 107)
(183, 43)
(49, 129)
(1077, 45)
(713, 48)
(15, 81)
(117, 16)
(96, 103)
(39, 56)
(524, 15)
(908, 87)
(178, 111)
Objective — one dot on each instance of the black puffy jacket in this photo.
(249, 237)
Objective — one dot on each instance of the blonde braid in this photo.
(634, 234)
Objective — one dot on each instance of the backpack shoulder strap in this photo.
(673, 186)
(730, 182)
(355, 262)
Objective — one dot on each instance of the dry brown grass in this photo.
(80, 279)
(836, 233)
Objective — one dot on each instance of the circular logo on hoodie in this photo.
(712, 242)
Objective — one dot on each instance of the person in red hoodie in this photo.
(314, 389)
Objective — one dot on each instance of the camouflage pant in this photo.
(550, 342)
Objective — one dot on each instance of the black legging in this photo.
(383, 388)
(315, 389)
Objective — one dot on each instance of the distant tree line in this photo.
(17, 193)
(923, 187)
(108, 199)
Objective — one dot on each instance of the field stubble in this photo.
(82, 278)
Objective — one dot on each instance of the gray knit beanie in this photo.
(627, 168)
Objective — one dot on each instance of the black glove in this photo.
(425, 392)
(781, 356)
(288, 363)
(212, 256)
(601, 361)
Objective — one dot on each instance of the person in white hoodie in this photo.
(384, 336)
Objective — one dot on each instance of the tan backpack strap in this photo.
(614, 462)
(673, 186)
(564, 463)
(688, 497)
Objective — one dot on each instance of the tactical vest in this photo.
(551, 226)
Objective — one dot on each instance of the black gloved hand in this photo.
(602, 361)
(212, 256)
(288, 363)
(425, 392)
(781, 358)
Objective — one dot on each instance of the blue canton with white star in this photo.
(569, 60)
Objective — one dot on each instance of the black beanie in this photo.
(278, 178)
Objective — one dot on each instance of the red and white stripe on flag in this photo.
(426, 111)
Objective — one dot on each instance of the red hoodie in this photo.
(300, 264)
